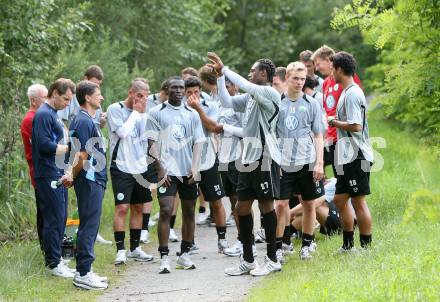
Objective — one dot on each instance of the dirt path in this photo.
(141, 281)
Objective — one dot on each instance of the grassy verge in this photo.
(403, 263)
(23, 276)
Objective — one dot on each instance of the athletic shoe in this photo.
(266, 268)
(343, 250)
(184, 262)
(305, 253)
(173, 237)
(280, 256)
(202, 219)
(144, 236)
(235, 250)
(65, 261)
(139, 255)
(222, 245)
(89, 281)
(288, 249)
(100, 278)
(194, 249)
(243, 268)
(230, 221)
(164, 265)
(121, 257)
(313, 247)
(62, 271)
(260, 236)
(101, 240)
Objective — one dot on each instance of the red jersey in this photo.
(332, 91)
(26, 134)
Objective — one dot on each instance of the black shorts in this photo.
(355, 180)
(210, 184)
(132, 188)
(333, 222)
(230, 179)
(262, 183)
(301, 183)
(179, 184)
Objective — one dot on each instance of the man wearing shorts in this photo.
(300, 128)
(175, 141)
(129, 169)
(354, 154)
(259, 178)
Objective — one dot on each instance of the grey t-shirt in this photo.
(176, 129)
(209, 149)
(68, 113)
(229, 148)
(299, 120)
(352, 108)
(260, 105)
(131, 152)
(152, 101)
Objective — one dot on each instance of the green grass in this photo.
(23, 276)
(403, 264)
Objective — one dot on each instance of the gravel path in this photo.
(141, 281)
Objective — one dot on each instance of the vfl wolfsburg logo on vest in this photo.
(178, 132)
(330, 101)
(291, 122)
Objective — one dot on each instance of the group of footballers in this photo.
(206, 134)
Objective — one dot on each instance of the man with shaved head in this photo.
(129, 170)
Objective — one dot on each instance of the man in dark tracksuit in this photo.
(90, 178)
(49, 146)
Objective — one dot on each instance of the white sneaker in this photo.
(230, 221)
(243, 268)
(184, 262)
(62, 271)
(144, 236)
(121, 257)
(288, 249)
(313, 247)
(280, 256)
(89, 281)
(100, 278)
(235, 250)
(173, 237)
(202, 218)
(65, 263)
(260, 236)
(101, 240)
(139, 255)
(305, 253)
(222, 245)
(194, 249)
(164, 265)
(266, 268)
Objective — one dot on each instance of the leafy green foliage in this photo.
(408, 35)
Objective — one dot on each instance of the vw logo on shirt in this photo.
(330, 101)
(291, 122)
(178, 132)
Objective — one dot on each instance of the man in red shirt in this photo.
(331, 91)
(37, 94)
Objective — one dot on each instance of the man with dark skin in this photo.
(260, 176)
(175, 142)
